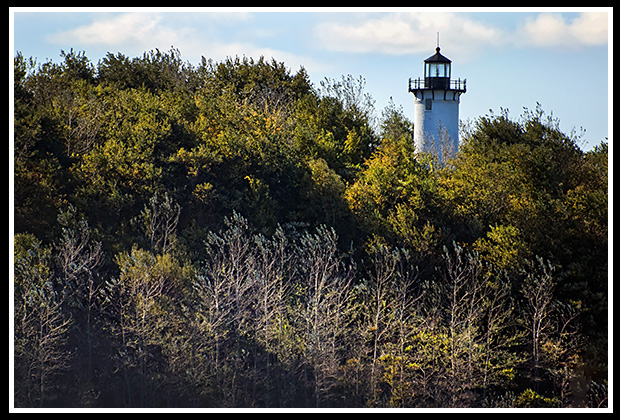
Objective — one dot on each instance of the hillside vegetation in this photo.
(230, 235)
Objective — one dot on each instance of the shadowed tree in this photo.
(41, 327)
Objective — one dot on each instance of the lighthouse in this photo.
(436, 108)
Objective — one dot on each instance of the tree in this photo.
(112, 182)
(79, 257)
(41, 327)
(503, 248)
(395, 196)
(350, 93)
(537, 290)
(271, 288)
(326, 285)
(336, 125)
(327, 189)
(528, 177)
(464, 281)
(361, 274)
(388, 297)
(139, 304)
(241, 316)
(466, 349)
(554, 334)
(156, 71)
(159, 219)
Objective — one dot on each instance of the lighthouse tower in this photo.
(436, 108)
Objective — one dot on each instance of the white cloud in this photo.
(130, 33)
(553, 30)
(408, 33)
(143, 28)
(217, 35)
(113, 30)
(197, 34)
(463, 34)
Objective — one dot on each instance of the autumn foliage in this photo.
(230, 235)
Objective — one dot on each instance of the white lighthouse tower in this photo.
(436, 108)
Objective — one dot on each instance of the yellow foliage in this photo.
(503, 247)
(203, 191)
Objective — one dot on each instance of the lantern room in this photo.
(437, 71)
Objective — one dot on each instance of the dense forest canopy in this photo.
(230, 235)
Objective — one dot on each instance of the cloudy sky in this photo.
(511, 58)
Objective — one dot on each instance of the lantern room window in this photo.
(437, 70)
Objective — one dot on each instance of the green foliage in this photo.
(503, 248)
(530, 399)
(395, 196)
(229, 235)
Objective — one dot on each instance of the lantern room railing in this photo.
(458, 84)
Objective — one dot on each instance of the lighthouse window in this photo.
(429, 104)
(438, 70)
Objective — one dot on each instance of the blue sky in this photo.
(511, 58)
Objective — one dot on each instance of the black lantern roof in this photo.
(437, 58)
